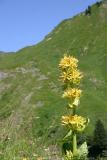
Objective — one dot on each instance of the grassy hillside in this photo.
(30, 92)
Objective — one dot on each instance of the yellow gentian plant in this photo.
(71, 78)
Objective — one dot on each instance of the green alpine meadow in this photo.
(31, 103)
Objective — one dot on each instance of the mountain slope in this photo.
(30, 92)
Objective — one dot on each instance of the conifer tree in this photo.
(88, 11)
(100, 135)
(98, 147)
(99, 3)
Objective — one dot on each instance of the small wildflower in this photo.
(35, 155)
(25, 158)
(39, 158)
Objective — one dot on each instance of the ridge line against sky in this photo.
(27, 22)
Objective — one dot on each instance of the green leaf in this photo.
(83, 151)
(68, 135)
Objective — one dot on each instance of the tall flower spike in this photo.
(71, 77)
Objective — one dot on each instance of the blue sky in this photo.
(26, 22)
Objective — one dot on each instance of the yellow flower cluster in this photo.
(72, 93)
(68, 62)
(70, 73)
(75, 123)
(72, 76)
(76, 76)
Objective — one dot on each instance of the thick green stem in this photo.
(74, 138)
(74, 111)
(74, 144)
